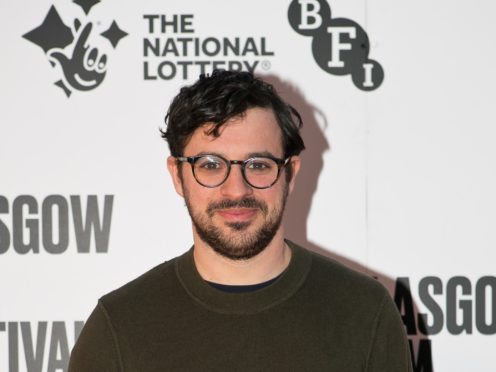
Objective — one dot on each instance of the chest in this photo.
(278, 340)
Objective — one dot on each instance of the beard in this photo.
(238, 242)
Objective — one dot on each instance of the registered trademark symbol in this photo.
(266, 65)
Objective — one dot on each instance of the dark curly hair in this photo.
(223, 95)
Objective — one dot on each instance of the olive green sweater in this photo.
(317, 316)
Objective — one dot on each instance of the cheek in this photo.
(198, 196)
(188, 182)
(273, 196)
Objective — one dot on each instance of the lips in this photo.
(237, 214)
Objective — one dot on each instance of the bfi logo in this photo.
(340, 46)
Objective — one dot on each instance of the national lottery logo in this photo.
(340, 46)
(174, 49)
(71, 48)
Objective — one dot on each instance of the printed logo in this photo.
(38, 346)
(340, 46)
(172, 49)
(83, 67)
(54, 224)
(456, 305)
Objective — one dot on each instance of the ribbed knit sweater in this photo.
(317, 316)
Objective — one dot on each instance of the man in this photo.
(243, 298)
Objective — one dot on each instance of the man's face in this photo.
(235, 219)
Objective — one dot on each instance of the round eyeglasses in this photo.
(260, 172)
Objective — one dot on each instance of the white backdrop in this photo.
(398, 182)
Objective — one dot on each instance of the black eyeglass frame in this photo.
(193, 159)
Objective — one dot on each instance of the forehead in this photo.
(256, 131)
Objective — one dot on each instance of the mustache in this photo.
(242, 203)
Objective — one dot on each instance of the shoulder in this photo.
(156, 285)
(340, 275)
(349, 300)
(335, 281)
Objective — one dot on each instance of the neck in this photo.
(264, 266)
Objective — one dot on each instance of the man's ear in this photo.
(173, 167)
(294, 163)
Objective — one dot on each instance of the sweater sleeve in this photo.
(389, 351)
(96, 348)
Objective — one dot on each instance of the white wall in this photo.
(398, 182)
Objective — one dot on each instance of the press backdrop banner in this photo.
(397, 182)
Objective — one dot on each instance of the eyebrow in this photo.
(250, 155)
(263, 153)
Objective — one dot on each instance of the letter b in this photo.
(306, 16)
(310, 18)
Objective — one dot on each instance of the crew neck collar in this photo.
(242, 288)
(244, 303)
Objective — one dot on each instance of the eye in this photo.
(210, 164)
(102, 62)
(92, 56)
(260, 165)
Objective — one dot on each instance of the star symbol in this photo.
(52, 33)
(114, 34)
(86, 4)
(62, 85)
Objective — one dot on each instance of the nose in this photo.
(235, 186)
